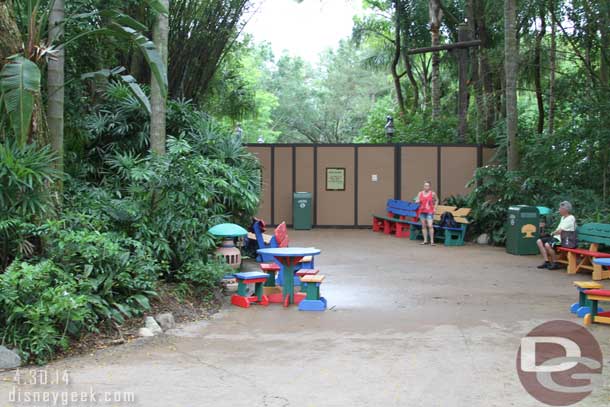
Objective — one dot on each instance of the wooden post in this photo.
(463, 36)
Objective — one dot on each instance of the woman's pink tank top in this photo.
(426, 202)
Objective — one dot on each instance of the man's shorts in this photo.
(550, 240)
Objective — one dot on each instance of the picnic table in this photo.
(289, 257)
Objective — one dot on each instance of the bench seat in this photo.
(451, 236)
(312, 279)
(585, 252)
(396, 218)
(580, 259)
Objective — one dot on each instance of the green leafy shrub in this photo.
(117, 274)
(201, 278)
(416, 128)
(41, 307)
(495, 189)
(26, 180)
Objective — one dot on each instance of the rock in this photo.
(9, 359)
(152, 325)
(483, 239)
(166, 320)
(145, 332)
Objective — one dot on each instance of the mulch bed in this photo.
(188, 309)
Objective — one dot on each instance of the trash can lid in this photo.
(228, 230)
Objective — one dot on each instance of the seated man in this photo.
(547, 244)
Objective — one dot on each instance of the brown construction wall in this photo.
(335, 208)
(304, 169)
(457, 169)
(399, 172)
(419, 164)
(283, 185)
(378, 163)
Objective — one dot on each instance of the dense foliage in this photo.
(86, 245)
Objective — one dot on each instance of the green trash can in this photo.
(522, 230)
(301, 211)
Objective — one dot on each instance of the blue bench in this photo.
(396, 221)
(451, 236)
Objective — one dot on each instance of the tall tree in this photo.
(552, 69)
(436, 16)
(55, 83)
(201, 32)
(511, 56)
(405, 19)
(604, 55)
(396, 58)
(538, 67)
(10, 37)
(158, 99)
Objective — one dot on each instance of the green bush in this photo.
(495, 189)
(202, 278)
(26, 180)
(41, 307)
(115, 273)
(416, 128)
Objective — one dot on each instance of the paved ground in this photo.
(407, 326)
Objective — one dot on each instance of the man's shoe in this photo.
(544, 265)
(553, 266)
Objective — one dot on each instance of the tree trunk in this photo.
(10, 37)
(538, 69)
(55, 84)
(475, 75)
(484, 66)
(436, 16)
(510, 66)
(402, 22)
(604, 29)
(158, 101)
(396, 59)
(552, 69)
(463, 36)
(412, 80)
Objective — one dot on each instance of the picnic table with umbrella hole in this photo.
(290, 257)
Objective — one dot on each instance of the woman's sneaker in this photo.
(545, 265)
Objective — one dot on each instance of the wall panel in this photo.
(457, 169)
(283, 185)
(375, 162)
(419, 164)
(335, 208)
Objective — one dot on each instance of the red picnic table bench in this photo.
(578, 259)
(400, 216)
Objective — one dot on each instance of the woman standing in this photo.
(427, 204)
